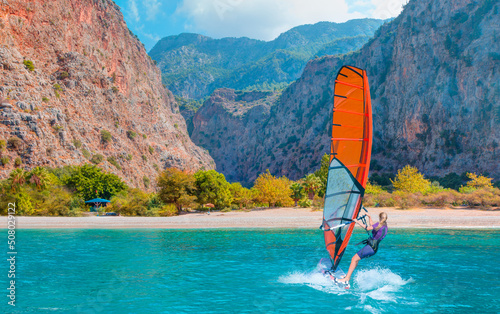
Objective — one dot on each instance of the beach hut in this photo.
(97, 203)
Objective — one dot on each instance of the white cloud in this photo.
(152, 8)
(262, 19)
(133, 11)
(385, 9)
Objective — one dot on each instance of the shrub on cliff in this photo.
(146, 181)
(97, 159)
(131, 134)
(14, 142)
(3, 145)
(29, 65)
(106, 136)
(5, 160)
(115, 163)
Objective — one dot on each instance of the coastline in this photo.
(266, 218)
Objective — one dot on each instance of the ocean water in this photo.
(250, 271)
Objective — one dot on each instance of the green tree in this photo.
(410, 180)
(478, 182)
(273, 191)
(297, 192)
(176, 186)
(17, 179)
(241, 195)
(311, 184)
(40, 178)
(322, 174)
(89, 181)
(212, 187)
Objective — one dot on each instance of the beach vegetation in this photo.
(132, 202)
(40, 178)
(305, 202)
(311, 184)
(477, 182)
(297, 192)
(89, 181)
(373, 189)
(169, 210)
(273, 191)
(410, 180)
(176, 187)
(242, 197)
(212, 187)
(322, 174)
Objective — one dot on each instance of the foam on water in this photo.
(376, 284)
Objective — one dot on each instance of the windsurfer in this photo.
(379, 231)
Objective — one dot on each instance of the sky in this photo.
(152, 20)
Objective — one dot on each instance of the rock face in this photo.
(71, 72)
(435, 87)
(193, 65)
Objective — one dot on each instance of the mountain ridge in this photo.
(194, 65)
(433, 73)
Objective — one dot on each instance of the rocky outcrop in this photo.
(434, 77)
(78, 85)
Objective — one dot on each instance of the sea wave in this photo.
(371, 286)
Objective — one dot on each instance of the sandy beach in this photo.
(267, 218)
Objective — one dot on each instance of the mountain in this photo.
(435, 88)
(76, 84)
(193, 65)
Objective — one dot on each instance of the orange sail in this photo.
(349, 159)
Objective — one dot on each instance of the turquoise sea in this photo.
(250, 271)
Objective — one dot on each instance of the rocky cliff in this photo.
(435, 87)
(193, 66)
(77, 85)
